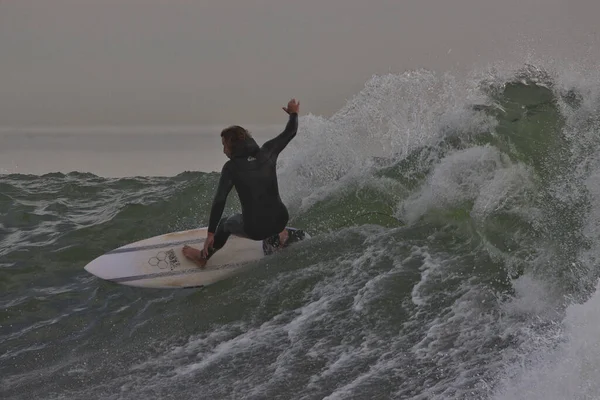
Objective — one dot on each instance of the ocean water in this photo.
(454, 256)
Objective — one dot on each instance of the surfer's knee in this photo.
(222, 225)
(234, 224)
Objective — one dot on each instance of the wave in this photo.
(455, 252)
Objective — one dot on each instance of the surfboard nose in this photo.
(93, 267)
(100, 267)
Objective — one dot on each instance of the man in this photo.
(252, 171)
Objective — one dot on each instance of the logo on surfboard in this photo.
(164, 260)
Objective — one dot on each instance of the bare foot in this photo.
(194, 255)
(283, 237)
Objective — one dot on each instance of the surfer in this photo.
(252, 171)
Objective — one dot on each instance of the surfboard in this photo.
(158, 262)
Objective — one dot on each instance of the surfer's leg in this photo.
(283, 237)
(228, 226)
(277, 237)
(282, 221)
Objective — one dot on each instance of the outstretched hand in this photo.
(292, 107)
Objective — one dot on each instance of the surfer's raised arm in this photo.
(274, 146)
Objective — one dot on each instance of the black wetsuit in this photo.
(252, 171)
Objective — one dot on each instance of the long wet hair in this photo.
(234, 135)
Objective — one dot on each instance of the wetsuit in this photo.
(252, 171)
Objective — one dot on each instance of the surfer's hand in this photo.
(293, 107)
(208, 243)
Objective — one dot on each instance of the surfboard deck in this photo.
(158, 262)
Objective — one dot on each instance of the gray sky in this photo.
(145, 62)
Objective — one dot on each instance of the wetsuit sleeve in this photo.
(218, 205)
(274, 146)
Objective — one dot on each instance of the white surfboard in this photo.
(158, 262)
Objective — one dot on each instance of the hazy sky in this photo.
(145, 62)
